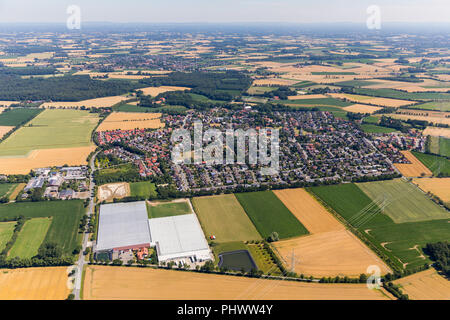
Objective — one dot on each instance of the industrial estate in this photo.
(93, 206)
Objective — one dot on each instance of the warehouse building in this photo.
(179, 238)
(123, 226)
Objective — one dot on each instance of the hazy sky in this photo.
(153, 11)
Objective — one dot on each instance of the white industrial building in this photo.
(179, 237)
(123, 226)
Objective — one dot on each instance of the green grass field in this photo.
(263, 259)
(438, 165)
(435, 106)
(373, 128)
(16, 116)
(356, 83)
(398, 241)
(404, 201)
(304, 84)
(51, 129)
(317, 102)
(223, 217)
(434, 145)
(65, 215)
(143, 189)
(168, 209)
(6, 232)
(396, 94)
(6, 189)
(444, 147)
(269, 215)
(30, 238)
(260, 90)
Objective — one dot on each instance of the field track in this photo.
(112, 283)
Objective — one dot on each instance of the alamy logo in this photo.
(74, 19)
(374, 19)
(209, 147)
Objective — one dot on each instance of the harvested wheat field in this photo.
(413, 169)
(361, 108)
(50, 283)
(437, 186)
(154, 91)
(108, 192)
(114, 283)
(97, 103)
(385, 102)
(45, 158)
(16, 191)
(433, 117)
(333, 253)
(130, 121)
(307, 96)
(308, 211)
(6, 104)
(425, 285)
(437, 132)
(4, 130)
(330, 250)
(274, 82)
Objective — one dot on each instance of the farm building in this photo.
(123, 226)
(179, 237)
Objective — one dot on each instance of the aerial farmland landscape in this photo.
(287, 156)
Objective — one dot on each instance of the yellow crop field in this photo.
(330, 250)
(97, 103)
(413, 169)
(154, 91)
(4, 130)
(437, 132)
(50, 283)
(130, 121)
(385, 102)
(44, 158)
(361, 108)
(437, 186)
(425, 285)
(114, 283)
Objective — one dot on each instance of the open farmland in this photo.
(6, 232)
(168, 209)
(50, 283)
(361, 108)
(108, 283)
(425, 285)
(4, 130)
(371, 100)
(14, 117)
(7, 188)
(332, 253)
(438, 186)
(154, 91)
(413, 169)
(30, 238)
(51, 129)
(269, 215)
(437, 132)
(104, 102)
(437, 164)
(434, 106)
(331, 102)
(143, 189)
(130, 121)
(401, 243)
(45, 158)
(402, 201)
(65, 215)
(223, 217)
(330, 250)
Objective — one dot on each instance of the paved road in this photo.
(81, 259)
